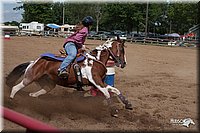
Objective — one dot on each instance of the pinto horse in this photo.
(44, 72)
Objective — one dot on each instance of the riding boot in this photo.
(63, 74)
(125, 101)
(113, 110)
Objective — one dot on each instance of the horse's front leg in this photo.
(127, 104)
(97, 81)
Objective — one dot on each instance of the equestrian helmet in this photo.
(87, 21)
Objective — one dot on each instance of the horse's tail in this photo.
(16, 73)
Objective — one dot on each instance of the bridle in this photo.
(116, 57)
(107, 46)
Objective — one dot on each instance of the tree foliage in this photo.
(125, 17)
(183, 16)
(13, 23)
(175, 17)
(43, 13)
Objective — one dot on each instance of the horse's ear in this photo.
(123, 41)
(118, 38)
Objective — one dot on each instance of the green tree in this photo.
(183, 16)
(74, 12)
(40, 12)
(13, 23)
(126, 16)
(157, 20)
(174, 17)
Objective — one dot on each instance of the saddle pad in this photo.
(52, 56)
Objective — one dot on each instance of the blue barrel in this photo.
(110, 75)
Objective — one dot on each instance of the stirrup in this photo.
(63, 74)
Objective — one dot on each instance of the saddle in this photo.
(64, 54)
(60, 57)
(77, 70)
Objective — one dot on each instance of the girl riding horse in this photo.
(73, 43)
(44, 72)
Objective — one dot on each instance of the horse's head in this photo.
(117, 52)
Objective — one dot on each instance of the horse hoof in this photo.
(32, 95)
(114, 113)
(129, 106)
(11, 97)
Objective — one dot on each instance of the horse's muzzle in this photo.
(123, 64)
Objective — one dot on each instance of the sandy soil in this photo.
(161, 83)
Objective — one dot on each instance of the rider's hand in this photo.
(62, 51)
(85, 48)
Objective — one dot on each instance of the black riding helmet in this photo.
(87, 21)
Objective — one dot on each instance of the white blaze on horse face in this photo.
(108, 43)
(98, 55)
(125, 58)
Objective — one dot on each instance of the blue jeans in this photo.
(71, 50)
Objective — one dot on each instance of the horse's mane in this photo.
(99, 62)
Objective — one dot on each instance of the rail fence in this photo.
(31, 125)
(156, 41)
(143, 40)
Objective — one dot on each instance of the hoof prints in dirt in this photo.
(142, 119)
(159, 97)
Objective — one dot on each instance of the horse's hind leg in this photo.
(19, 86)
(46, 84)
(38, 93)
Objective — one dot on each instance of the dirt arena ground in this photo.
(161, 83)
